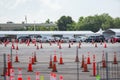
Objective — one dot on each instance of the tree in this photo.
(65, 23)
(47, 21)
(116, 22)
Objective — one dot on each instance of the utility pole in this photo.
(26, 19)
(4, 73)
(107, 66)
(77, 64)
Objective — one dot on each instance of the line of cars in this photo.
(67, 39)
(39, 38)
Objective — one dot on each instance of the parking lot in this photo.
(68, 69)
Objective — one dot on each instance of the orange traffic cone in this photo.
(9, 64)
(19, 74)
(41, 46)
(60, 77)
(115, 59)
(69, 46)
(71, 42)
(54, 69)
(17, 47)
(93, 42)
(50, 63)
(79, 46)
(30, 65)
(35, 58)
(61, 59)
(85, 68)
(77, 58)
(94, 66)
(55, 58)
(60, 46)
(105, 45)
(37, 75)
(50, 43)
(28, 43)
(34, 43)
(7, 77)
(12, 74)
(37, 47)
(101, 42)
(96, 45)
(16, 58)
(32, 59)
(82, 64)
(13, 47)
(103, 61)
(28, 78)
(88, 59)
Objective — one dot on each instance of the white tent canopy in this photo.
(100, 31)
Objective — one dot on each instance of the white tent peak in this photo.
(100, 31)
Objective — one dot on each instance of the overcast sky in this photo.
(40, 10)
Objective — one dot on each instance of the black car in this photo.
(95, 38)
(24, 38)
(4, 39)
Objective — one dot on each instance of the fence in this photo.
(111, 72)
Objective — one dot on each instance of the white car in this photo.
(48, 38)
(68, 39)
(81, 38)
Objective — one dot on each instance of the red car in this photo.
(115, 39)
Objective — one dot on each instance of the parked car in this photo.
(57, 38)
(24, 38)
(95, 38)
(48, 39)
(81, 38)
(68, 39)
(115, 39)
(4, 39)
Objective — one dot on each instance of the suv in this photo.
(95, 38)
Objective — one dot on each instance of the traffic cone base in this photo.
(103, 64)
(16, 58)
(60, 47)
(50, 65)
(30, 69)
(82, 64)
(37, 47)
(54, 69)
(17, 47)
(77, 59)
(85, 69)
(55, 58)
(41, 46)
(96, 45)
(88, 60)
(115, 59)
(35, 58)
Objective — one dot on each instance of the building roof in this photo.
(115, 30)
(17, 26)
(46, 32)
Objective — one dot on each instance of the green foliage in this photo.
(93, 23)
(65, 23)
